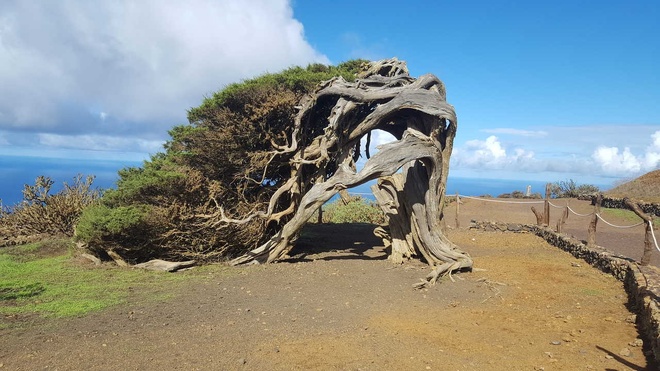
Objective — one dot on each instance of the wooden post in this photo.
(562, 220)
(539, 216)
(648, 247)
(458, 208)
(546, 205)
(591, 239)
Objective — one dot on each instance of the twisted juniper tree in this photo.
(259, 157)
(416, 113)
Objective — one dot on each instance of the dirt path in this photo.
(338, 304)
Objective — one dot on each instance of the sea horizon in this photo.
(18, 171)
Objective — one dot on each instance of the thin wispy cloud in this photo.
(99, 143)
(358, 48)
(517, 132)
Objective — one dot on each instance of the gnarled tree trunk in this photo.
(411, 171)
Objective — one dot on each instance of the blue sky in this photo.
(543, 90)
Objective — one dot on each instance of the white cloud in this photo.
(124, 68)
(612, 161)
(563, 152)
(491, 154)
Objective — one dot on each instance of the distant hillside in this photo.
(646, 188)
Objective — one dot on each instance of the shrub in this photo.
(41, 212)
(357, 210)
(100, 222)
(570, 189)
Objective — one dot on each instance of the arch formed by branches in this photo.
(411, 171)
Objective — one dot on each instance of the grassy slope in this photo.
(646, 187)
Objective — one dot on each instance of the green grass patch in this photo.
(627, 215)
(57, 286)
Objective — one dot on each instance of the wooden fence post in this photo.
(562, 220)
(591, 239)
(646, 257)
(539, 216)
(546, 205)
(458, 207)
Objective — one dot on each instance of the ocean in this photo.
(472, 187)
(17, 171)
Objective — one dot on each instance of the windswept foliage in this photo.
(222, 157)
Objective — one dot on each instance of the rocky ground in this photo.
(339, 304)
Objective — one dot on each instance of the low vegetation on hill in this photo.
(645, 187)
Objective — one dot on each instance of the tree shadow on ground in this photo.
(622, 360)
(343, 241)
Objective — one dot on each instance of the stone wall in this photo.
(617, 203)
(641, 283)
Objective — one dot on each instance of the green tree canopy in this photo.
(223, 156)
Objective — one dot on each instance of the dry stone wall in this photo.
(617, 203)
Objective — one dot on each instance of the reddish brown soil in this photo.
(339, 304)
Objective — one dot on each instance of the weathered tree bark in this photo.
(411, 171)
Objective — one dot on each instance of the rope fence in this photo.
(618, 226)
(578, 214)
(544, 218)
(655, 241)
(551, 204)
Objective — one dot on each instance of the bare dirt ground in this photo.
(338, 304)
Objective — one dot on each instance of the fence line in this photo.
(502, 201)
(653, 234)
(544, 218)
(567, 207)
(619, 226)
(578, 214)
(560, 207)
(553, 205)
